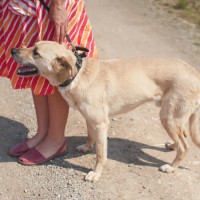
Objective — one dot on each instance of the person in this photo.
(22, 23)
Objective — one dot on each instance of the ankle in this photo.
(54, 140)
(35, 140)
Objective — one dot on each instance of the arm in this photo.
(59, 19)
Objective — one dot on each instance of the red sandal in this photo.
(19, 149)
(34, 157)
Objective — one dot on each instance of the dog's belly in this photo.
(124, 107)
(131, 96)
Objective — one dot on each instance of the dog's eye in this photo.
(35, 52)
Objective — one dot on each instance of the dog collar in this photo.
(66, 83)
(78, 66)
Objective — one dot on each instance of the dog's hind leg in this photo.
(90, 140)
(182, 149)
(172, 146)
(176, 132)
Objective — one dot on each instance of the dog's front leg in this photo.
(90, 140)
(101, 152)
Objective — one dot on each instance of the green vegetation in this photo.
(182, 4)
(188, 9)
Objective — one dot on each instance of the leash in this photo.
(75, 50)
(44, 4)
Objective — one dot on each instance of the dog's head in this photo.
(49, 59)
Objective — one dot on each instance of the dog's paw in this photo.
(170, 146)
(167, 168)
(84, 148)
(92, 176)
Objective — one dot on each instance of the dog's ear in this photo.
(60, 63)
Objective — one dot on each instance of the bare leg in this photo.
(42, 115)
(53, 143)
(58, 114)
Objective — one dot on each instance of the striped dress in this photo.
(22, 23)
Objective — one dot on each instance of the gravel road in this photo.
(121, 29)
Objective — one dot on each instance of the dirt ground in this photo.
(135, 151)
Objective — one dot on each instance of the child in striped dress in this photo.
(22, 23)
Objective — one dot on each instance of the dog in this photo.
(100, 89)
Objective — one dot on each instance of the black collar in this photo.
(78, 66)
(79, 57)
(66, 83)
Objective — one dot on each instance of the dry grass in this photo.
(188, 9)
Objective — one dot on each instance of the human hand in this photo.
(58, 18)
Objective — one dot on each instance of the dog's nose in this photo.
(14, 51)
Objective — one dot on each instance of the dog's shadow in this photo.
(11, 132)
(121, 150)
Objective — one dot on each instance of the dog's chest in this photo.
(68, 97)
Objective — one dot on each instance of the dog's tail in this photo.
(194, 127)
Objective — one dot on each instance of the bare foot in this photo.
(35, 140)
(49, 146)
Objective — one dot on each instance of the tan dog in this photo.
(103, 88)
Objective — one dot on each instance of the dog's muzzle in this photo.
(25, 70)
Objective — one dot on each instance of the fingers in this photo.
(60, 32)
(59, 19)
(56, 33)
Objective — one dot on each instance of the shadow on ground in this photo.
(121, 150)
(11, 132)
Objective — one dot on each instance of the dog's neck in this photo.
(64, 80)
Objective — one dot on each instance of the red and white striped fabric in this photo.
(22, 23)
(22, 7)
